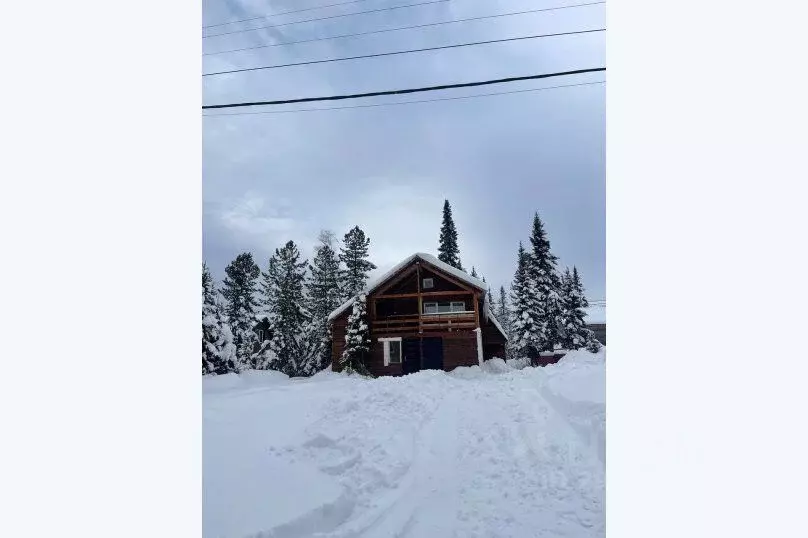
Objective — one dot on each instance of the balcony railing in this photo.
(425, 322)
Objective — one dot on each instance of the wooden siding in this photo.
(338, 327)
(399, 316)
(459, 349)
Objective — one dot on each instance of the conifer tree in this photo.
(474, 272)
(354, 254)
(218, 349)
(209, 336)
(523, 307)
(504, 317)
(227, 357)
(239, 291)
(324, 296)
(544, 278)
(288, 314)
(586, 337)
(448, 251)
(357, 339)
(568, 329)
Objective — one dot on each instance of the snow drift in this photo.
(480, 451)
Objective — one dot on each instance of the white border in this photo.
(386, 345)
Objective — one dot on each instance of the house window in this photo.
(260, 335)
(392, 350)
(428, 283)
(444, 308)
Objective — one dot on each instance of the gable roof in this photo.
(495, 321)
(428, 258)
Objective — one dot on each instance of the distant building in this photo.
(596, 321)
(263, 330)
(600, 331)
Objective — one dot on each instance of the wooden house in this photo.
(263, 331)
(423, 314)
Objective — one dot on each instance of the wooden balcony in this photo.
(414, 323)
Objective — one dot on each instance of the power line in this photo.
(404, 102)
(408, 90)
(284, 13)
(498, 15)
(458, 45)
(327, 18)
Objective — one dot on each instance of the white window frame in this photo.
(386, 343)
(448, 307)
(431, 283)
(461, 303)
(260, 335)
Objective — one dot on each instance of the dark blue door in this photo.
(432, 353)
(410, 355)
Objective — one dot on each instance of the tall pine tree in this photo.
(225, 345)
(504, 316)
(544, 276)
(324, 296)
(354, 254)
(288, 315)
(357, 338)
(448, 251)
(586, 337)
(209, 336)
(239, 291)
(523, 320)
(568, 326)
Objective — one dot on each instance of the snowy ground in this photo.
(493, 452)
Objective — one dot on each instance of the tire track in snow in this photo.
(422, 503)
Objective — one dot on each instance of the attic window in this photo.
(260, 335)
(428, 284)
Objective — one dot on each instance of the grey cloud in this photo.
(388, 169)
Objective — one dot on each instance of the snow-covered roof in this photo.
(495, 321)
(428, 258)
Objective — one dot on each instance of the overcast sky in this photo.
(268, 178)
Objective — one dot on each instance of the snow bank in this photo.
(576, 388)
(480, 451)
(247, 378)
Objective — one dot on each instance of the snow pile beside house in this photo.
(490, 451)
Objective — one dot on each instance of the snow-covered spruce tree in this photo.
(473, 272)
(324, 296)
(218, 349)
(354, 254)
(289, 316)
(448, 251)
(523, 306)
(545, 279)
(239, 292)
(227, 359)
(504, 316)
(586, 337)
(357, 339)
(209, 329)
(568, 330)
